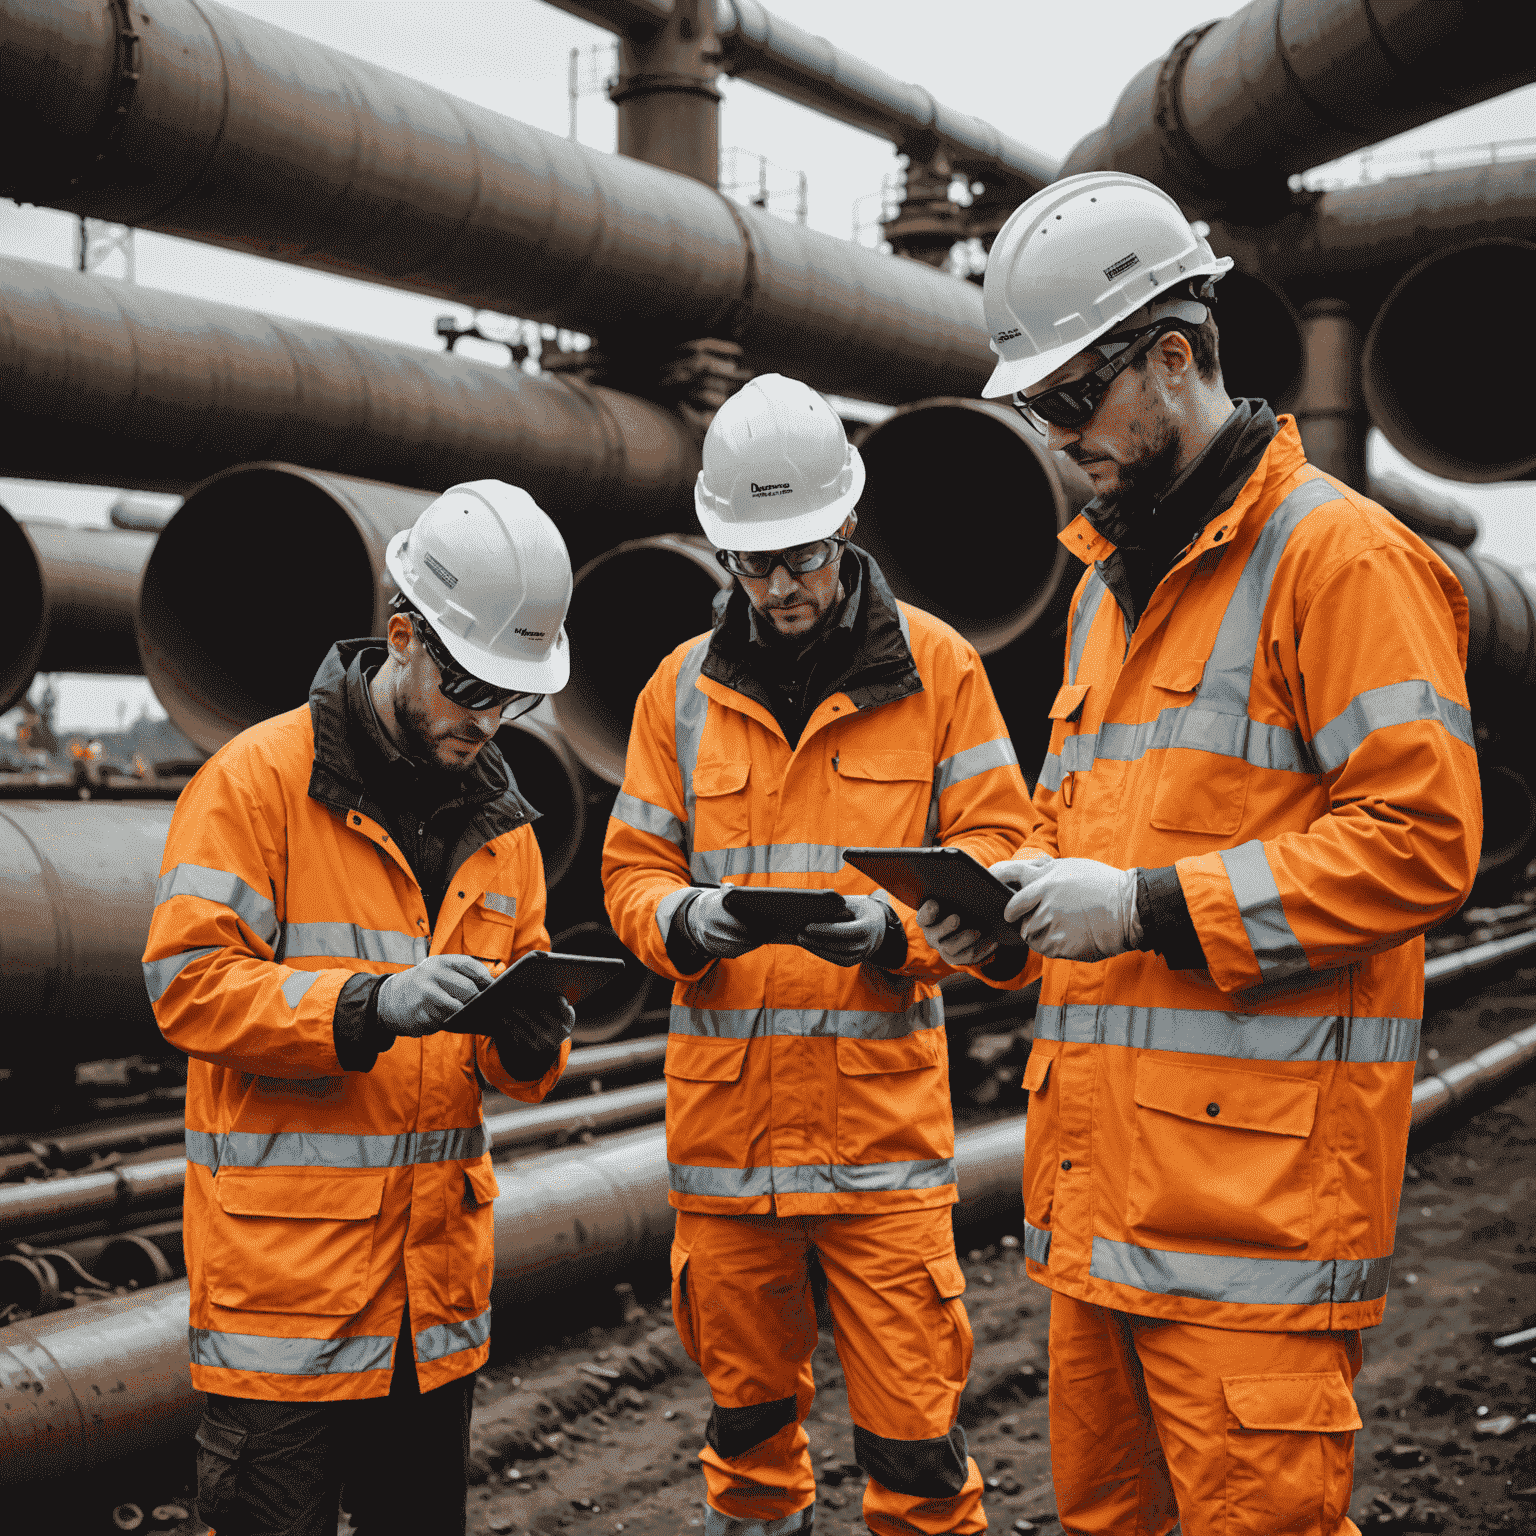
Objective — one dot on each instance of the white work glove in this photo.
(1076, 909)
(850, 940)
(965, 946)
(716, 931)
(421, 1000)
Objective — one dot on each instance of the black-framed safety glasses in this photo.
(464, 688)
(1072, 405)
(801, 560)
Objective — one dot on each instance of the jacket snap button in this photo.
(461, 895)
(357, 821)
(1066, 1163)
(1213, 1109)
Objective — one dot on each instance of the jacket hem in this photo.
(872, 1203)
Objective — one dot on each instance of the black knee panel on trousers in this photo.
(735, 1431)
(925, 1469)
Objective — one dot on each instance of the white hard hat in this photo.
(1081, 257)
(778, 468)
(489, 571)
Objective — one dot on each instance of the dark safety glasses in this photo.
(799, 561)
(1072, 405)
(464, 688)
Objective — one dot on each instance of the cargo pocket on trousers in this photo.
(1290, 1451)
(218, 1470)
(949, 1281)
(682, 1304)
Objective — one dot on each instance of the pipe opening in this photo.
(1445, 382)
(1509, 822)
(1260, 341)
(25, 632)
(630, 607)
(608, 1014)
(248, 587)
(548, 774)
(961, 509)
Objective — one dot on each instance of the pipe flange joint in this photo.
(1180, 153)
(627, 87)
(127, 67)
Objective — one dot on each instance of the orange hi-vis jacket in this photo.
(794, 1086)
(1288, 728)
(317, 1199)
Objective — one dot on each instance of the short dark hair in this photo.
(1202, 339)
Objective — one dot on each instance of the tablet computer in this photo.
(767, 909)
(957, 881)
(533, 977)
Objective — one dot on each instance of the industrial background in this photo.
(604, 305)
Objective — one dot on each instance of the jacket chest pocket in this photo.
(882, 796)
(893, 1099)
(490, 926)
(721, 813)
(1042, 1144)
(1222, 1155)
(1202, 786)
(470, 1223)
(293, 1241)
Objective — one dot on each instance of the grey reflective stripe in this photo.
(997, 753)
(1050, 773)
(667, 906)
(450, 1338)
(1245, 1281)
(250, 906)
(1082, 621)
(1201, 730)
(1077, 753)
(810, 1178)
(332, 1149)
(691, 711)
(159, 974)
(1269, 931)
(290, 1357)
(716, 1524)
(1377, 708)
(807, 1023)
(711, 865)
(506, 905)
(1241, 1036)
(1037, 1244)
(297, 985)
(645, 817)
(347, 941)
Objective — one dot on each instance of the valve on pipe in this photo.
(1444, 366)
(630, 607)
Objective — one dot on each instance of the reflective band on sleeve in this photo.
(667, 906)
(1082, 621)
(347, 941)
(1244, 1281)
(250, 906)
(1394, 704)
(691, 709)
(1241, 1036)
(159, 974)
(1269, 930)
(506, 905)
(950, 771)
(810, 1178)
(1037, 1244)
(297, 985)
(712, 865)
(716, 1524)
(332, 1149)
(450, 1338)
(807, 1023)
(645, 817)
(290, 1357)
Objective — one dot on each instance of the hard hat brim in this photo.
(1010, 377)
(805, 529)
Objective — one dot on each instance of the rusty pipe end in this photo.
(27, 632)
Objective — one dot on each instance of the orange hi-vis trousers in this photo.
(1223, 1432)
(741, 1295)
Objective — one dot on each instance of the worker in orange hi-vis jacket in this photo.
(338, 880)
(1261, 789)
(808, 1113)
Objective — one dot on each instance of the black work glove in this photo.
(528, 1041)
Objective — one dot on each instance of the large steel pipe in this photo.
(1237, 106)
(1452, 395)
(630, 607)
(91, 576)
(214, 125)
(550, 775)
(28, 631)
(614, 1010)
(157, 389)
(1431, 514)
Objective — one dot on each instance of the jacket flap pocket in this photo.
(948, 1277)
(1178, 673)
(498, 908)
(721, 776)
(1068, 701)
(1318, 1404)
(1037, 1068)
(699, 1059)
(885, 767)
(299, 1196)
(1244, 1101)
(482, 1182)
(907, 1053)
(679, 1259)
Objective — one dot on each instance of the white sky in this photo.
(1044, 71)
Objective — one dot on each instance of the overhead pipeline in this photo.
(203, 122)
(1449, 392)
(630, 607)
(109, 1378)
(161, 390)
(1237, 106)
(28, 629)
